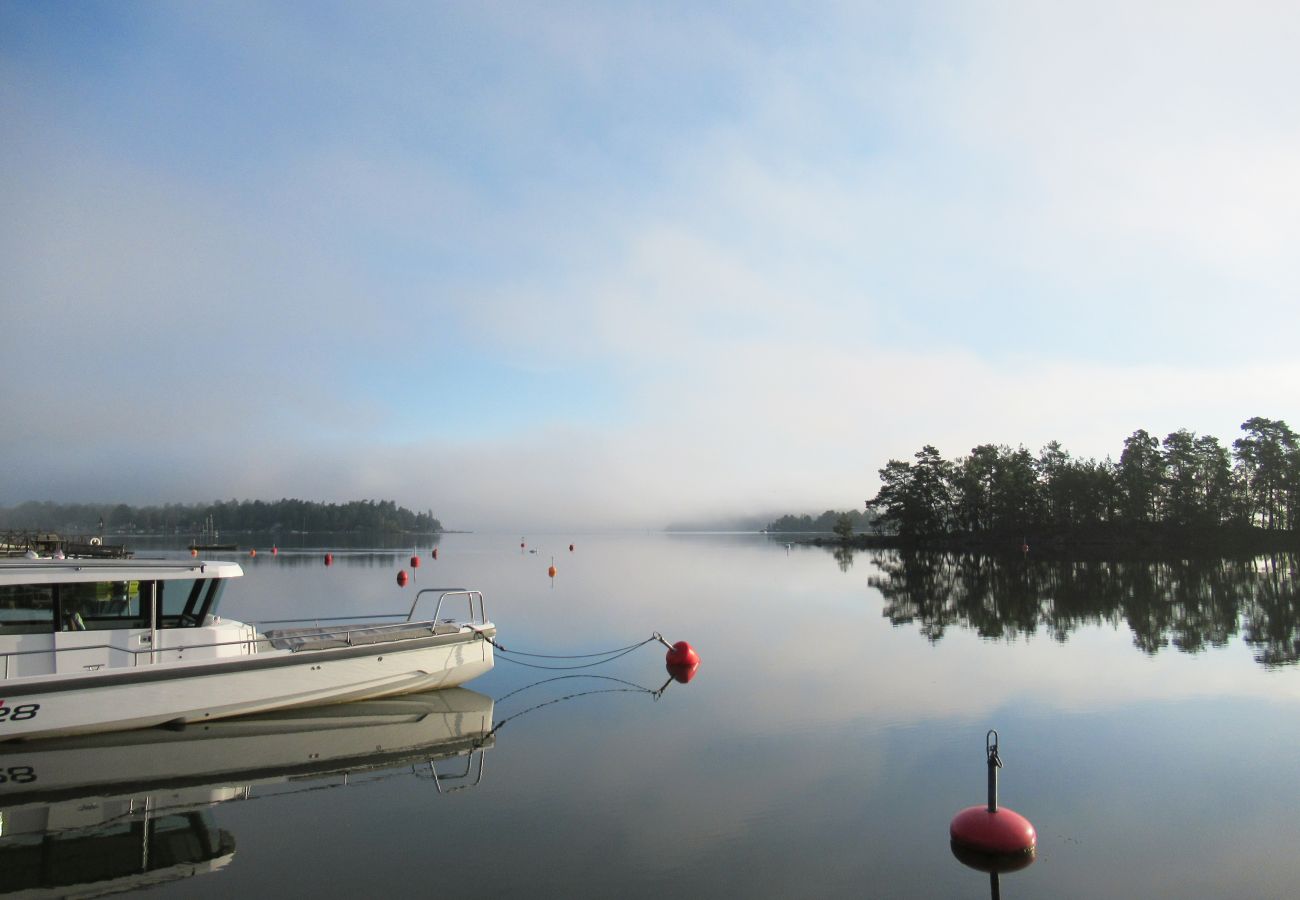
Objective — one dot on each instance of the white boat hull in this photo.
(188, 692)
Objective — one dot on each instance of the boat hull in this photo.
(185, 692)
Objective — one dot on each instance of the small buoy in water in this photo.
(194, 551)
(402, 578)
(329, 559)
(570, 548)
(435, 552)
(551, 570)
(998, 838)
(682, 654)
(252, 551)
(415, 561)
(275, 551)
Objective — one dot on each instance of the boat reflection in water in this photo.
(113, 812)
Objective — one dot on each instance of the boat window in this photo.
(97, 606)
(26, 608)
(179, 605)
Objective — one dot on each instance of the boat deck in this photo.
(325, 637)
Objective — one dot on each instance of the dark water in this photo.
(1147, 714)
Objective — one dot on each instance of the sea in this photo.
(1146, 714)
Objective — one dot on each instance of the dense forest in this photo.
(226, 516)
(1183, 486)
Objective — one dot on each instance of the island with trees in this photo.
(1185, 490)
(355, 516)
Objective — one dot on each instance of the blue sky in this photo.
(581, 265)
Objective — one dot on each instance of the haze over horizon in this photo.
(569, 265)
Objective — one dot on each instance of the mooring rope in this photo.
(604, 656)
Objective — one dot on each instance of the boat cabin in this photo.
(117, 612)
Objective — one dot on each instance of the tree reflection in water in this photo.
(1189, 603)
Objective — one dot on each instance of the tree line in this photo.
(1184, 483)
(829, 521)
(227, 515)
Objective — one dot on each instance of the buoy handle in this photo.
(660, 638)
(991, 748)
(995, 763)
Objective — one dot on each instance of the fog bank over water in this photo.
(631, 266)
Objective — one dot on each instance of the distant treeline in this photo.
(228, 515)
(1185, 484)
(826, 522)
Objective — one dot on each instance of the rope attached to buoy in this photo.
(601, 657)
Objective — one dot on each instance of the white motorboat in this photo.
(91, 645)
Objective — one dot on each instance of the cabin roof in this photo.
(66, 571)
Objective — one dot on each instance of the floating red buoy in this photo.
(252, 551)
(329, 559)
(275, 551)
(521, 545)
(194, 551)
(551, 571)
(998, 838)
(570, 548)
(682, 654)
(415, 562)
(402, 578)
(435, 552)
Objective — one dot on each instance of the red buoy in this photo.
(551, 571)
(402, 578)
(682, 654)
(275, 551)
(252, 551)
(435, 552)
(999, 832)
(194, 551)
(682, 673)
(990, 832)
(570, 548)
(521, 545)
(329, 559)
(415, 562)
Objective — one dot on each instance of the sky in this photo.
(558, 265)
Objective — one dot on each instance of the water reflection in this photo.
(108, 813)
(1191, 604)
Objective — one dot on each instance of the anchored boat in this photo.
(91, 645)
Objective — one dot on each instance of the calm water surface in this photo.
(1147, 713)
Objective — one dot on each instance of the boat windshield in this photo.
(184, 602)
